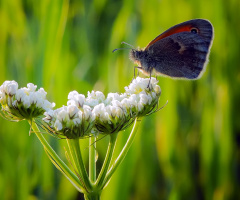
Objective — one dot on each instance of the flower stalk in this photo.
(123, 153)
(56, 159)
(77, 160)
(107, 161)
(92, 159)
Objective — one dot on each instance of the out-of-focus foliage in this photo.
(188, 150)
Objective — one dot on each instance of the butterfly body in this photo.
(180, 52)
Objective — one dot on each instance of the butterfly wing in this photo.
(182, 51)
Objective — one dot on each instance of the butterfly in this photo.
(180, 52)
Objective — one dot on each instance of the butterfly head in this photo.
(136, 55)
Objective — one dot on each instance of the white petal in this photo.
(72, 110)
(58, 125)
(157, 89)
(72, 94)
(12, 88)
(20, 94)
(76, 121)
(26, 101)
(80, 99)
(63, 114)
(41, 93)
(33, 98)
(31, 87)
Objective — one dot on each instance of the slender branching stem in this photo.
(56, 159)
(107, 161)
(75, 151)
(123, 153)
(92, 159)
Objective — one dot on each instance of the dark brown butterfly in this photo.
(180, 52)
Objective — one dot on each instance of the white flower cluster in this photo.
(71, 121)
(23, 103)
(95, 113)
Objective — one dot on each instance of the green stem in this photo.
(92, 159)
(123, 153)
(75, 151)
(55, 158)
(92, 196)
(108, 158)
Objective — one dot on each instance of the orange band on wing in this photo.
(169, 32)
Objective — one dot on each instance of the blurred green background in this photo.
(188, 150)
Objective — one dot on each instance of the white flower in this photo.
(141, 84)
(137, 85)
(58, 125)
(145, 99)
(100, 112)
(157, 89)
(76, 121)
(88, 113)
(94, 98)
(20, 94)
(96, 95)
(9, 87)
(1, 94)
(31, 87)
(12, 88)
(41, 93)
(71, 122)
(114, 111)
(63, 115)
(49, 115)
(23, 103)
(126, 103)
(72, 110)
(133, 99)
(46, 105)
(32, 98)
(26, 101)
(76, 99)
(72, 94)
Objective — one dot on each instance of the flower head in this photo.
(118, 111)
(70, 121)
(143, 96)
(24, 103)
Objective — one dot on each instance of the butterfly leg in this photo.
(150, 76)
(134, 75)
(137, 70)
(149, 81)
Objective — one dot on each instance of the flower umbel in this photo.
(24, 103)
(119, 111)
(70, 121)
(84, 116)
(144, 95)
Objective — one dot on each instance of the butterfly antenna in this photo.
(120, 49)
(128, 45)
(132, 47)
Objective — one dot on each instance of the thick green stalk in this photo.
(123, 152)
(92, 196)
(75, 150)
(56, 159)
(108, 158)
